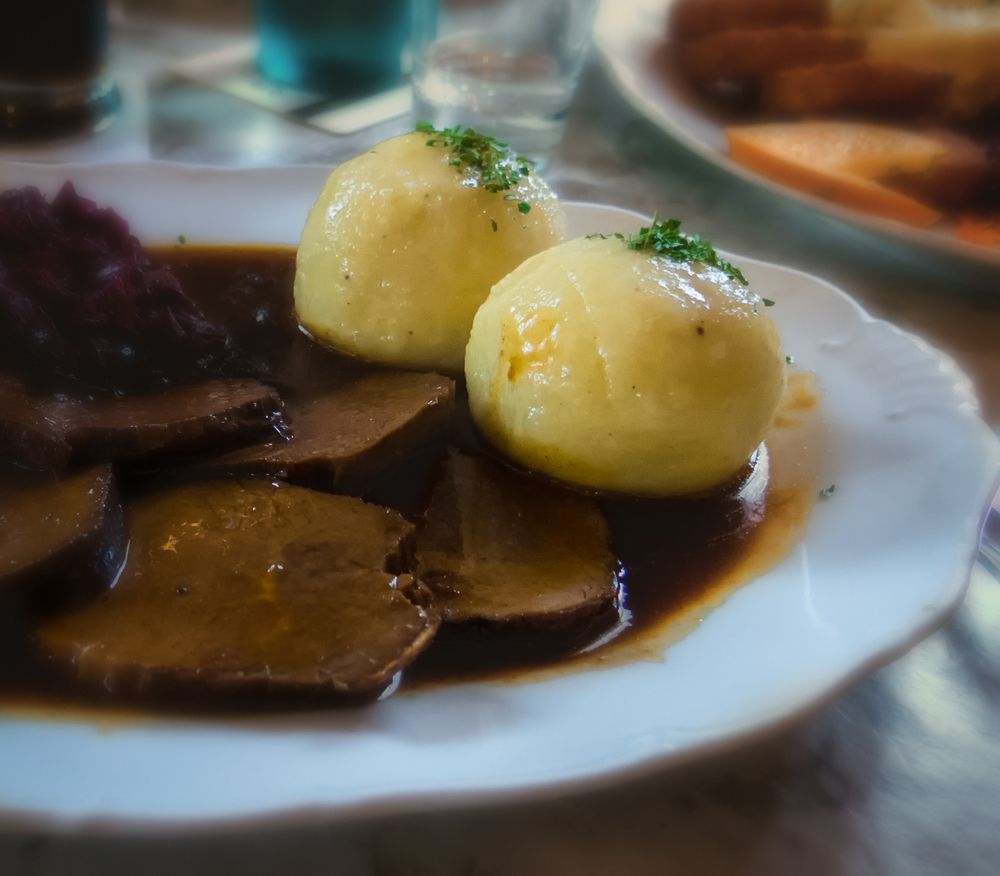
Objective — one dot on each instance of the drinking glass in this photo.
(52, 76)
(337, 47)
(506, 67)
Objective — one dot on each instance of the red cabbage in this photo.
(82, 305)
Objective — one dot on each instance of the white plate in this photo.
(628, 33)
(882, 564)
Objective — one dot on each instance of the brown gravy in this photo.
(678, 558)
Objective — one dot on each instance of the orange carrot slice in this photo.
(981, 230)
(841, 161)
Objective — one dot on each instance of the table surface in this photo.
(900, 775)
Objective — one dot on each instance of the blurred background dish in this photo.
(882, 120)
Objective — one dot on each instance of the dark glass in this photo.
(52, 78)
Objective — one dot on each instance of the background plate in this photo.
(630, 33)
(882, 564)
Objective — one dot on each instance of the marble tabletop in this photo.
(899, 776)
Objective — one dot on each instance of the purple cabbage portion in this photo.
(82, 306)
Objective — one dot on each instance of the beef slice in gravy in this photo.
(30, 437)
(501, 548)
(181, 420)
(61, 540)
(346, 436)
(242, 586)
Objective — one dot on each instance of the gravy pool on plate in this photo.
(253, 593)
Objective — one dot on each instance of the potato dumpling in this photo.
(619, 370)
(403, 245)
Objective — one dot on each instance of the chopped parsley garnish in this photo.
(826, 492)
(665, 238)
(789, 360)
(499, 168)
(523, 206)
(767, 302)
(181, 238)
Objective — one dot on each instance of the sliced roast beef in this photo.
(183, 420)
(61, 540)
(501, 548)
(237, 586)
(343, 438)
(29, 436)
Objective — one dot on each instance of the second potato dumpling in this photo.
(606, 364)
(405, 241)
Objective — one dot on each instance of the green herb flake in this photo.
(524, 208)
(789, 360)
(767, 302)
(665, 238)
(499, 168)
(827, 492)
(181, 238)
(493, 222)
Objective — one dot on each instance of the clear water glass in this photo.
(506, 67)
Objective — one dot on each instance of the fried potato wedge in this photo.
(752, 54)
(863, 87)
(691, 19)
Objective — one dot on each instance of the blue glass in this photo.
(332, 46)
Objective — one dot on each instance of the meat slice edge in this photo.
(184, 420)
(503, 549)
(29, 436)
(343, 439)
(63, 541)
